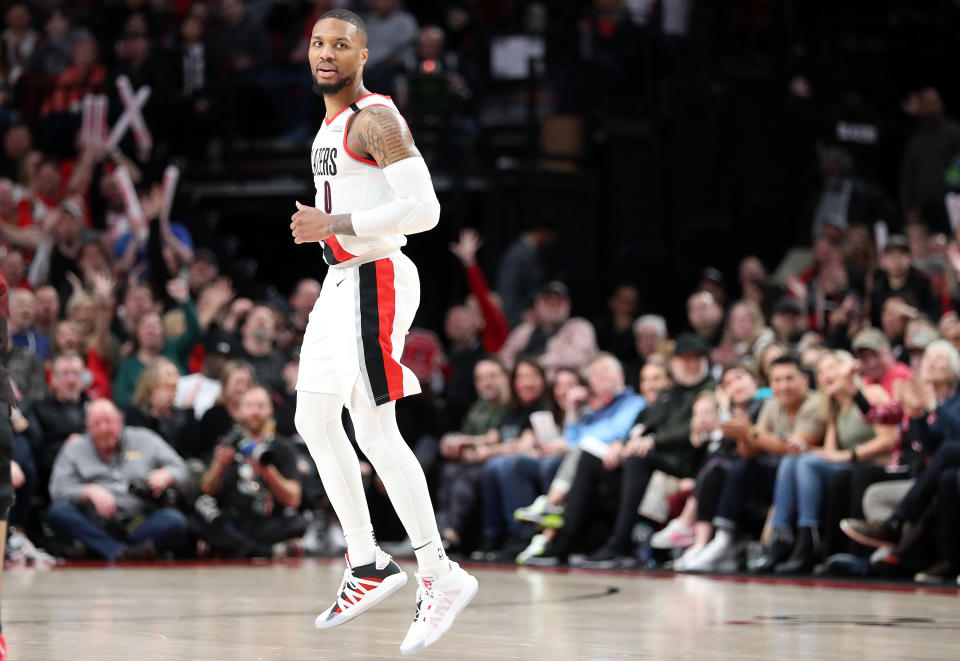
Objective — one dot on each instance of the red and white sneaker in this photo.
(3, 648)
(362, 588)
(439, 601)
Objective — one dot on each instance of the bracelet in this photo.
(853, 455)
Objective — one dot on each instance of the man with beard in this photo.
(373, 188)
(255, 482)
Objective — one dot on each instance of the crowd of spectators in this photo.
(812, 406)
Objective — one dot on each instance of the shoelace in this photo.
(349, 588)
(424, 593)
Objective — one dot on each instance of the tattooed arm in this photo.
(381, 134)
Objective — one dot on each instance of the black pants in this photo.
(845, 499)
(20, 513)
(744, 479)
(634, 476)
(6, 452)
(949, 517)
(252, 537)
(923, 491)
(458, 496)
(710, 484)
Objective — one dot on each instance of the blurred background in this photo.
(655, 138)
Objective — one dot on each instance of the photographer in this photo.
(254, 479)
(110, 485)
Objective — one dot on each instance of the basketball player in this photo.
(373, 188)
(6, 436)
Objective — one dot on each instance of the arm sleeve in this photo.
(416, 208)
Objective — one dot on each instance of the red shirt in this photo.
(899, 372)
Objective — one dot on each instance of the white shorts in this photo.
(355, 333)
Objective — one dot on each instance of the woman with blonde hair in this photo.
(236, 379)
(745, 325)
(152, 407)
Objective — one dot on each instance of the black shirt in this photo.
(246, 494)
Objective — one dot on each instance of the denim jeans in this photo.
(510, 482)
(166, 527)
(801, 484)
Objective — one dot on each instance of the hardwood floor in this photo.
(241, 612)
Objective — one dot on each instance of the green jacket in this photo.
(177, 349)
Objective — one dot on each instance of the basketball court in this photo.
(249, 612)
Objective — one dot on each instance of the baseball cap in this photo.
(217, 344)
(897, 242)
(206, 255)
(787, 305)
(922, 339)
(871, 338)
(554, 287)
(712, 274)
(690, 343)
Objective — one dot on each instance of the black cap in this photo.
(787, 305)
(712, 274)
(554, 287)
(217, 344)
(206, 255)
(897, 242)
(690, 343)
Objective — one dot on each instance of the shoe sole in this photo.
(860, 538)
(671, 545)
(465, 598)
(542, 520)
(389, 585)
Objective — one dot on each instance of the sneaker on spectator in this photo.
(486, 552)
(534, 548)
(720, 555)
(3, 648)
(609, 557)
(675, 535)
(292, 548)
(941, 572)
(540, 513)
(870, 533)
(361, 588)
(551, 556)
(680, 562)
(439, 601)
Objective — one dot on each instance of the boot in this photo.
(805, 553)
(777, 551)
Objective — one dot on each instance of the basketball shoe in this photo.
(362, 588)
(439, 601)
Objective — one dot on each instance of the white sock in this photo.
(402, 476)
(431, 557)
(318, 422)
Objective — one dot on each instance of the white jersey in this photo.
(347, 182)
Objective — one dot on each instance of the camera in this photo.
(140, 489)
(262, 453)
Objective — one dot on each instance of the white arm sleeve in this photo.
(415, 210)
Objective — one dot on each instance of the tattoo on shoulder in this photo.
(382, 134)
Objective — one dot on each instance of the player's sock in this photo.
(318, 422)
(402, 476)
(431, 557)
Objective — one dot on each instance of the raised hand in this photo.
(466, 248)
(178, 290)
